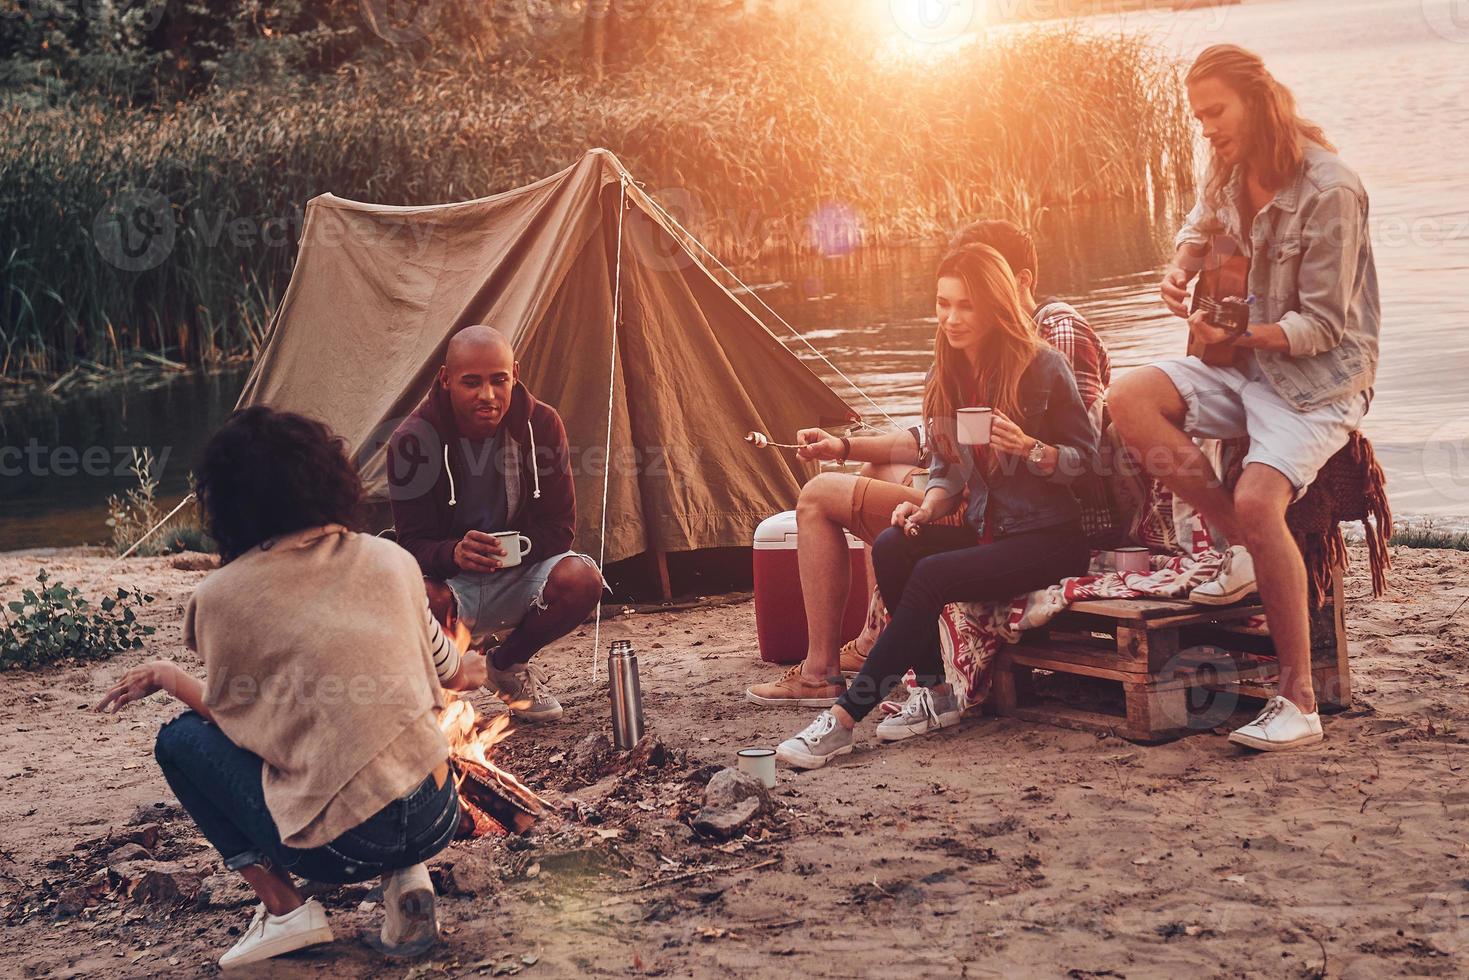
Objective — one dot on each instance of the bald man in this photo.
(480, 456)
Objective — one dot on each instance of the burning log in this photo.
(492, 801)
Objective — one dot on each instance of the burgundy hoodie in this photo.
(426, 464)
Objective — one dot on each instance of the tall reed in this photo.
(748, 135)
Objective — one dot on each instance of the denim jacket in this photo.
(1017, 496)
(1311, 271)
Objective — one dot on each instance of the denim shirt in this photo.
(1311, 271)
(1017, 496)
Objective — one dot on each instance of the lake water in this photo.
(1387, 79)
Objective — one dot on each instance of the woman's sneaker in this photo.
(274, 935)
(1280, 726)
(523, 688)
(820, 742)
(925, 712)
(410, 918)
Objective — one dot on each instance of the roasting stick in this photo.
(761, 441)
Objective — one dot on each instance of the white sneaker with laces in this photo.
(1235, 581)
(523, 688)
(273, 935)
(817, 744)
(925, 712)
(1280, 726)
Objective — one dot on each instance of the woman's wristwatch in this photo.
(1037, 453)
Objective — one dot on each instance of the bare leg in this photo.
(572, 592)
(274, 888)
(822, 511)
(1149, 412)
(1261, 498)
(872, 626)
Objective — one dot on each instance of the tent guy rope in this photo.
(751, 292)
(611, 394)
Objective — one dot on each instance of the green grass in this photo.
(1026, 121)
(1428, 535)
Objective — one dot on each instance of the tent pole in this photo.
(660, 565)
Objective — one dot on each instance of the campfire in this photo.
(492, 801)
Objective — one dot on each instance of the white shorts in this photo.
(1227, 403)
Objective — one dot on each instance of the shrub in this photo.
(52, 623)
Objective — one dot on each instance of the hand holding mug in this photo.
(479, 552)
(1007, 437)
(818, 444)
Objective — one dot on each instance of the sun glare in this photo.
(931, 22)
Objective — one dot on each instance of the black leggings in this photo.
(919, 576)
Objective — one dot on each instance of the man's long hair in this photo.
(1010, 342)
(1277, 133)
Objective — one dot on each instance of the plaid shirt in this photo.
(1065, 329)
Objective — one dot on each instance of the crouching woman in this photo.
(1022, 527)
(311, 747)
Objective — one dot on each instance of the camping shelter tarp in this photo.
(377, 292)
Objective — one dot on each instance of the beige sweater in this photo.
(319, 661)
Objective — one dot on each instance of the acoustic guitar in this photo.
(1221, 288)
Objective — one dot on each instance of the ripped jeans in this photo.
(219, 784)
(494, 602)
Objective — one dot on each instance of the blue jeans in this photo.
(220, 786)
(919, 576)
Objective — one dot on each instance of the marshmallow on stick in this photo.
(761, 441)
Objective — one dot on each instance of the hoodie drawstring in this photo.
(449, 471)
(535, 469)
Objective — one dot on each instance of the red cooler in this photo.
(780, 614)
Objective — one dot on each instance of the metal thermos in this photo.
(625, 693)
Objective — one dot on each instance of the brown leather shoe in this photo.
(852, 661)
(795, 690)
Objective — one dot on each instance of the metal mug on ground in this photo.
(759, 763)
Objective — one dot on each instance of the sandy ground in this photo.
(1000, 848)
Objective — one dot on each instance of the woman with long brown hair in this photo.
(1023, 525)
(1296, 382)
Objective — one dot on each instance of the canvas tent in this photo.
(377, 292)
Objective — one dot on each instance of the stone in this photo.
(154, 812)
(127, 852)
(157, 882)
(648, 753)
(731, 800)
(463, 871)
(590, 756)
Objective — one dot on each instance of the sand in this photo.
(1000, 848)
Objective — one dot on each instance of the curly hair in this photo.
(266, 473)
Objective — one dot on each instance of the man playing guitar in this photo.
(1297, 382)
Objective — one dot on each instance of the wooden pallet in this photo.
(1179, 664)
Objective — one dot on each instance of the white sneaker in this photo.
(272, 935)
(410, 918)
(925, 712)
(1280, 726)
(817, 744)
(1236, 579)
(523, 688)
